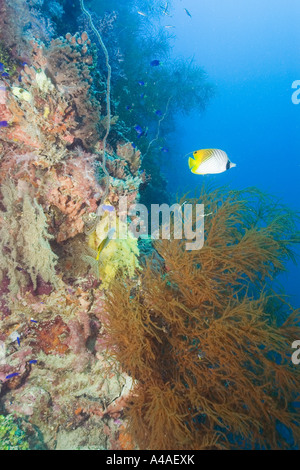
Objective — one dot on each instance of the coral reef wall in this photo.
(54, 369)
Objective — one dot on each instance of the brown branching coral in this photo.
(199, 339)
(116, 168)
(131, 156)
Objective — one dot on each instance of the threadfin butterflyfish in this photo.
(105, 242)
(210, 161)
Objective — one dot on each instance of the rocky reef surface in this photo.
(55, 371)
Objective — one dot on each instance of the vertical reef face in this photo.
(54, 371)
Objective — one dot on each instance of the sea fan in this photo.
(212, 366)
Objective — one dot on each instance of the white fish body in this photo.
(209, 162)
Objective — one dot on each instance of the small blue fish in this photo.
(107, 208)
(24, 63)
(158, 112)
(5, 74)
(33, 361)
(3, 123)
(129, 107)
(188, 13)
(10, 376)
(133, 146)
(139, 130)
(165, 150)
(165, 9)
(142, 95)
(1, 67)
(141, 83)
(18, 340)
(20, 78)
(33, 321)
(155, 63)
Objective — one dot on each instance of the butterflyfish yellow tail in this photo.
(192, 164)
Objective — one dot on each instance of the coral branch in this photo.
(158, 127)
(108, 113)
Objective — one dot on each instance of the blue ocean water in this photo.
(250, 51)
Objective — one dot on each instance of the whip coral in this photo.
(198, 336)
(108, 95)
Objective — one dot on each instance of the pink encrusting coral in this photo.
(72, 188)
(54, 106)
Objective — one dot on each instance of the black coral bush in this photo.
(212, 364)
